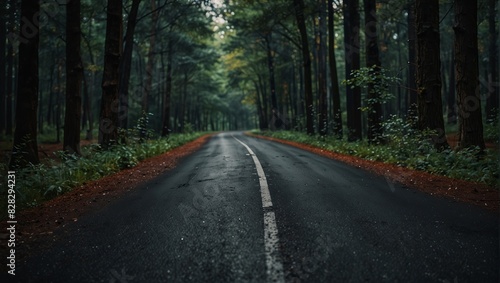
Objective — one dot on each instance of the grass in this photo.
(42, 182)
(406, 148)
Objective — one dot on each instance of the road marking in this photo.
(271, 241)
(264, 188)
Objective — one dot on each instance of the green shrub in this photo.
(407, 147)
(38, 183)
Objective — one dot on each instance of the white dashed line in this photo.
(271, 240)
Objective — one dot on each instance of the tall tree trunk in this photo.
(184, 94)
(352, 50)
(323, 103)
(3, 37)
(59, 95)
(87, 109)
(260, 112)
(492, 103)
(470, 124)
(400, 100)
(25, 149)
(108, 119)
(335, 90)
(452, 104)
(126, 62)
(373, 61)
(263, 91)
(306, 57)
(272, 83)
(412, 60)
(50, 105)
(430, 107)
(151, 57)
(168, 92)
(74, 73)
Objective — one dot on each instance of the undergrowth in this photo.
(406, 147)
(39, 183)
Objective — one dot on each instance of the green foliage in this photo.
(492, 129)
(407, 147)
(38, 183)
(380, 81)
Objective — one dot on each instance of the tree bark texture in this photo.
(492, 102)
(352, 50)
(322, 88)
(306, 57)
(74, 74)
(335, 90)
(126, 63)
(25, 149)
(108, 119)
(470, 125)
(429, 102)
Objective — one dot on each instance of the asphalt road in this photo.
(207, 221)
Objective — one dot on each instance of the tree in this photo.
(352, 50)
(492, 103)
(470, 126)
(151, 58)
(335, 91)
(306, 57)
(126, 62)
(108, 120)
(166, 128)
(321, 50)
(372, 61)
(74, 75)
(429, 103)
(412, 61)
(25, 149)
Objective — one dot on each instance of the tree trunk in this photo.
(352, 50)
(430, 107)
(373, 61)
(151, 57)
(74, 70)
(470, 124)
(59, 95)
(492, 102)
(306, 57)
(184, 94)
(412, 61)
(452, 104)
(335, 90)
(321, 46)
(108, 120)
(87, 109)
(50, 105)
(277, 122)
(126, 62)
(260, 112)
(168, 92)
(263, 91)
(25, 149)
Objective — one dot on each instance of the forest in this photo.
(412, 74)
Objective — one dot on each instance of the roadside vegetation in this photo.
(405, 146)
(63, 172)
